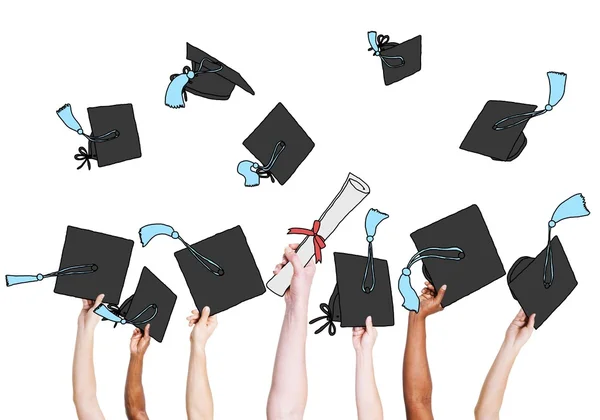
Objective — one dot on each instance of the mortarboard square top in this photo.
(357, 304)
(218, 82)
(498, 130)
(525, 280)
(478, 264)
(150, 292)
(238, 279)
(93, 263)
(398, 61)
(505, 145)
(124, 147)
(280, 144)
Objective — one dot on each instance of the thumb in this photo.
(205, 314)
(147, 330)
(531, 322)
(98, 301)
(294, 259)
(440, 295)
(369, 324)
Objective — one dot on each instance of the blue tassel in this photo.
(572, 207)
(105, 313)
(66, 115)
(150, 231)
(373, 42)
(174, 95)
(557, 88)
(251, 178)
(411, 299)
(374, 217)
(12, 280)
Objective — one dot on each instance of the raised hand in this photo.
(204, 326)
(363, 338)
(430, 301)
(520, 329)
(87, 318)
(140, 341)
(301, 282)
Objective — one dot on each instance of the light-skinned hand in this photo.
(140, 341)
(430, 301)
(302, 278)
(87, 318)
(363, 338)
(204, 326)
(520, 329)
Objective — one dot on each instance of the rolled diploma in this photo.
(352, 193)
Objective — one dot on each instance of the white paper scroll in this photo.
(352, 193)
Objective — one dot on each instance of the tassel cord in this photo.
(328, 316)
(371, 264)
(201, 258)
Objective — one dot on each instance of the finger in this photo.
(294, 259)
(205, 315)
(98, 301)
(369, 324)
(440, 295)
(294, 246)
(147, 330)
(195, 311)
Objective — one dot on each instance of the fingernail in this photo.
(287, 250)
(444, 287)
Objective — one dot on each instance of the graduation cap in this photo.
(152, 303)
(457, 251)
(114, 137)
(220, 271)
(280, 144)
(92, 263)
(543, 283)
(397, 60)
(362, 287)
(208, 77)
(498, 130)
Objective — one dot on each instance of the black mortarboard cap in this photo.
(527, 287)
(498, 130)
(397, 60)
(92, 263)
(220, 271)
(207, 77)
(280, 144)
(114, 137)
(152, 303)
(475, 262)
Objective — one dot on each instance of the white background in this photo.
(402, 140)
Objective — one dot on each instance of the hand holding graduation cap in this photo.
(430, 301)
(204, 326)
(140, 341)
(87, 318)
(363, 338)
(520, 330)
(301, 282)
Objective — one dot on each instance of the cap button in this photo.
(406, 271)
(551, 223)
(370, 238)
(79, 131)
(461, 255)
(548, 107)
(94, 267)
(175, 235)
(39, 277)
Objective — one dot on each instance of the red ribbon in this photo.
(318, 240)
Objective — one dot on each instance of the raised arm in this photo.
(135, 402)
(84, 379)
(198, 397)
(492, 392)
(415, 373)
(289, 386)
(368, 403)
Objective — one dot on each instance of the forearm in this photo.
(84, 379)
(368, 403)
(289, 389)
(135, 402)
(417, 384)
(492, 392)
(199, 402)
